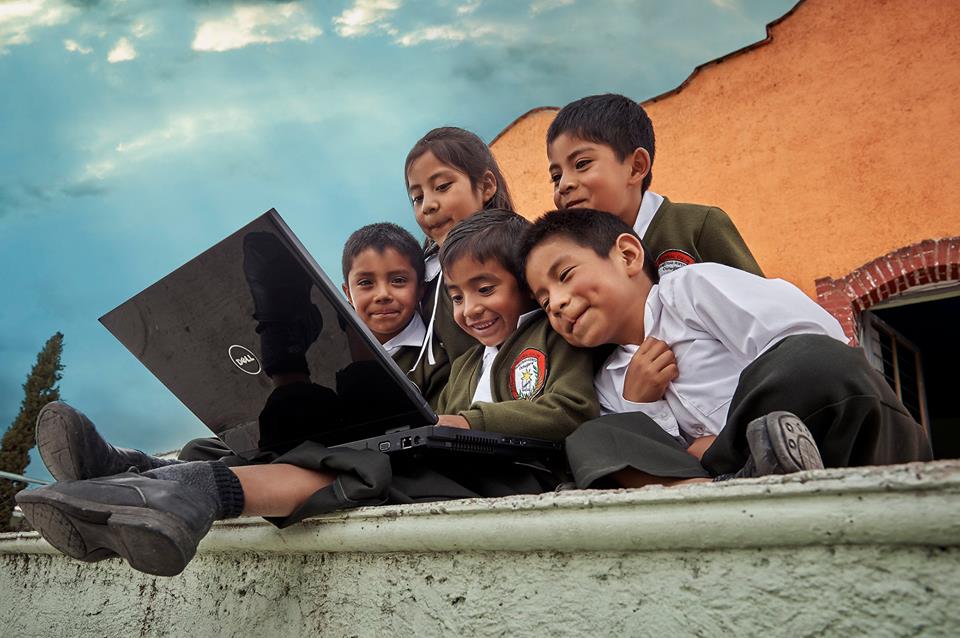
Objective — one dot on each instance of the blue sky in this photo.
(133, 135)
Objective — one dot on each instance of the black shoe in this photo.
(73, 450)
(154, 525)
(779, 444)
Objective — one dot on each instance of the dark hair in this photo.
(585, 227)
(381, 236)
(610, 119)
(489, 234)
(467, 153)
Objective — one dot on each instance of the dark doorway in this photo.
(917, 347)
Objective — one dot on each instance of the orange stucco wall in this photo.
(830, 145)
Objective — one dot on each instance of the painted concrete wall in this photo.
(871, 552)
(832, 144)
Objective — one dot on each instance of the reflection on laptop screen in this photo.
(258, 342)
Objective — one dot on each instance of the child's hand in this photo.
(651, 370)
(453, 421)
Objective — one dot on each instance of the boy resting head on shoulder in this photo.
(522, 378)
(760, 379)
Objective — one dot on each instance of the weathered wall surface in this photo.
(871, 552)
(832, 144)
(843, 591)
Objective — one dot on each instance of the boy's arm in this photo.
(719, 241)
(746, 313)
(567, 399)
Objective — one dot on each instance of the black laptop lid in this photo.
(258, 303)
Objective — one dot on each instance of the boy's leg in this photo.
(155, 520)
(852, 413)
(632, 450)
(72, 449)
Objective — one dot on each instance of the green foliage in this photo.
(39, 389)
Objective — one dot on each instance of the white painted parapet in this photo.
(862, 551)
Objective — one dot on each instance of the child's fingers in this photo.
(669, 373)
(652, 347)
(663, 360)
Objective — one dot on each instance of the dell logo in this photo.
(244, 359)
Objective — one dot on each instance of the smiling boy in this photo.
(522, 378)
(383, 274)
(601, 150)
(753, 354)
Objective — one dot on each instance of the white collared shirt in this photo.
(431, 267)
(484, 391)
(649, 206)
(412, 335)
(717, 320)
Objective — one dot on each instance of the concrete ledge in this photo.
(916, 504)
(869, 551)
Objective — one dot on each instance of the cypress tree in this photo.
(39, 389)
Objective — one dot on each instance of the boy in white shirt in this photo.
(746, 366)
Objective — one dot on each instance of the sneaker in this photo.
(154, 525)
(73, 450)
(779, 444)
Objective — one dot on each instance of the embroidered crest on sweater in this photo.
(528, 374)
(673, 259)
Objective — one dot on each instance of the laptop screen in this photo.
(256, 340)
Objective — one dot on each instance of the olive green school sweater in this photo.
(431, 379)
(541, 385)
(682, 234)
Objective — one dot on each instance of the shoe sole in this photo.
(150, 541)
(792, 443)
(53, 432)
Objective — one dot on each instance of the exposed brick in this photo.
(923, 277)
(928, 248)
(876, 272)
(886, 264)
(943, 250)
(859, 287)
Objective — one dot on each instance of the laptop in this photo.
(258, 303)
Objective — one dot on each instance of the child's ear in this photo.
(346, 291)
(630, 250)
(488, 186)
(639, 165)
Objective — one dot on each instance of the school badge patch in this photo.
(528, 374)
(673, 259)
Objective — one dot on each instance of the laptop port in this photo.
(405, 442)
(384, 446)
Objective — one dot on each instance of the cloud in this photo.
(363, 16)
(178, 133)
(468, 7)
(75, 47)
(441, 33)
(140, 29)
(541, 6)
(19, 18)
(122, 51)
(455, 34)
(255, 25)
(727, 5)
